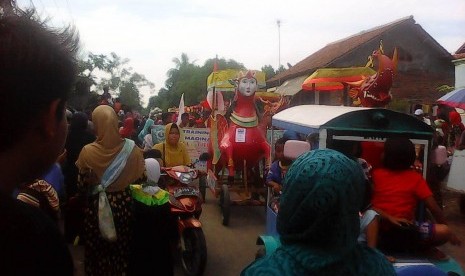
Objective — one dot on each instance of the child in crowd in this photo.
(277, 172)
(397, 190)
(369, 218)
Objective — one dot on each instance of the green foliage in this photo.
(445, 88)
(189, 79)
(99, 70)
(281, 69)
(269, 71)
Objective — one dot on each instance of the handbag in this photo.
(105, 215)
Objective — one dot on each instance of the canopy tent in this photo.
(310, 118)
(329, 79)
(353, 124)
(291, 87)
(221, 79)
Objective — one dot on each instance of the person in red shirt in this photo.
(397, 189)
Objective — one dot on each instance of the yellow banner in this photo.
(221, 79)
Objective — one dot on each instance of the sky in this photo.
(150, 33)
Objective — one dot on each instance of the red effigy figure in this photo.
(243, 139)
(374, 91)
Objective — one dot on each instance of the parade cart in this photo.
(366, 125)
(237, 140)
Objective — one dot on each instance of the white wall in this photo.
(459, 73)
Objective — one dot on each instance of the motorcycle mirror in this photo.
(204, 156)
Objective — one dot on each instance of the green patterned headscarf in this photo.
(322, 196)
(318, 221)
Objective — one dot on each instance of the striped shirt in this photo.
(42, 195)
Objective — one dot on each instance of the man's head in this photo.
(185, 118)
(279, 148)
(419, 113)
(37, 70)
(166, 118)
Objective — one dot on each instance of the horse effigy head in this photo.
(246, 83)
(374, 91)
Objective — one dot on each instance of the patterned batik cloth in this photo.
(101, 256)
(42, 195)
(318, 221)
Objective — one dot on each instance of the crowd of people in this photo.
(337, 212)
(322, 193)
(78, 170)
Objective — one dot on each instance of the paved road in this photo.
(457, 224)
(232, 248)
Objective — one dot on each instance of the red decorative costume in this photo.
(243, 139)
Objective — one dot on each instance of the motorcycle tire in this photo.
(462, 204)
(203, 186)
(225, 204)
(194, 253)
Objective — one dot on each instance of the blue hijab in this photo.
(148, 124)
(318, 221)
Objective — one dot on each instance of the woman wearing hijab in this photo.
(318, 221)
(127, 131)
(153, 226)
(145, 135)
(78, 137)
(174, 152)
(107, 166)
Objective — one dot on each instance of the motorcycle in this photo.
(186, 205)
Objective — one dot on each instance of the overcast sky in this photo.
(151, 32)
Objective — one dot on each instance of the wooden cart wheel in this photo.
(225, 204)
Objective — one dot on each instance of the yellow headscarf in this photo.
(99, 155)
(173, 155)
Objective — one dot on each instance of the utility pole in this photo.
(279, 43)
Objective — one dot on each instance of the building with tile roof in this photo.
(423, 63)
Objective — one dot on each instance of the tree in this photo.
(117, 74)
(280, 69)
(269, 71)
(189, 79)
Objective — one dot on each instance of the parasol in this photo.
(455, 98)
(329, 79)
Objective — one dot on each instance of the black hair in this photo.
(37, 67)
(184, 115)
(399, 153)
(280, 141)
(165, 116)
